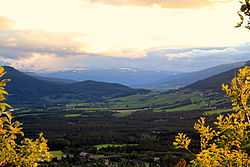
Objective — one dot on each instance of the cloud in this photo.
(162, 3)
(47, 62)
(185, 60)
(33, 50)
(36, 50)
(125, 53)
(194, 59)
(5, 23)
(17, 43)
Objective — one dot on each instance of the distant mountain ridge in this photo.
(155, 80)
(50, 79)
(25, 88)
(125, 76)
(214, 82)
(191, 77)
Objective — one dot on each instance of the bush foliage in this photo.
(26, 153)
(228, 142)
(244, 14)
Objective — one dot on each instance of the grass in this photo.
(80, 115)
(124, 113)
(186, 108)
(158, 110)
(97, 155)
(100, 146)
(159, 102)
(78, 104)
(121, 114)
(217, 111)
(127, 111)
(94, 116)
(124, 106)
(156, 101)
(25, 115)
(23, 111)
(72, 115)
(57, 154)
(87, 109)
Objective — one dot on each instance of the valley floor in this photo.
(139, 128)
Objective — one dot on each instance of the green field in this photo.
(161, 102)
(158, 102)
(87, 109)
(25, 115)
(186, 108)
(23, 111)
(217, 111)
(73, 115)
(80, 115)
(126, 106)
(100, 146)
(57, 154)
(151, 120)
(121, 114)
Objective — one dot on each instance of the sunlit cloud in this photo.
(5, 23)
(41, 62)
(111, 34)
(109, 28)
(188, 59)
(40, 41)
(161, 3)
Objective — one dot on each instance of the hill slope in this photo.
(51, 79)
(189, 78)
(125, 76)
(25, 88)
(214, 82)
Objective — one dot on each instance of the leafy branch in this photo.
(30, 152)
(227, 144)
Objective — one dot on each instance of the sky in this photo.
(171, 35)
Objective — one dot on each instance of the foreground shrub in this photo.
(227, 144)
(29, 152)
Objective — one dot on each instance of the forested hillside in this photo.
(27, 89)
(185, 79)
(214, 82)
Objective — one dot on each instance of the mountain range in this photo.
(155, 80)
(25, 88)
(126, 76)
(184, 79)
(214, 82)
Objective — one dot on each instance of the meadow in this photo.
(140, 125)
